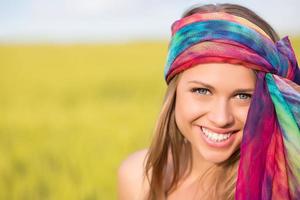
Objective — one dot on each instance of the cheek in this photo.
(241, 118)
(241, 114)
(187, 110)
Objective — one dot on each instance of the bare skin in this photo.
(131, 184)
(218, 96)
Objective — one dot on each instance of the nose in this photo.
(221, 114)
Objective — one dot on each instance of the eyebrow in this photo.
(212, 88)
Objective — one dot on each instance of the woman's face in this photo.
(212, 103)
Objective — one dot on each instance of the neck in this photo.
(195, 181)
(199, 164)
(199, 167)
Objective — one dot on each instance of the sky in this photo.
(69, 21)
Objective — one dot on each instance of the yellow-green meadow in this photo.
(69, 114)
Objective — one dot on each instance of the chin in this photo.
(216, 157)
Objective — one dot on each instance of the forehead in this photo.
(226, 74)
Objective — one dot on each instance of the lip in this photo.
(219, 131)
(222, 144)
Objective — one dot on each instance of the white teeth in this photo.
(216, 137)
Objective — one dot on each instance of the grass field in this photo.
(70, 113)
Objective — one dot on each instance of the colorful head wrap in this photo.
(269, 166)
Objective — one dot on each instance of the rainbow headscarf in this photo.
(269, 167)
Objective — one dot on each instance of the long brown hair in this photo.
(169, 156)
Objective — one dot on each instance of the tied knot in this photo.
(288, 67)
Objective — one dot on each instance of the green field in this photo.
(69, 114)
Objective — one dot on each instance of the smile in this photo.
(215, 137)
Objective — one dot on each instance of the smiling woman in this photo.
(229, 125)
(218, 95)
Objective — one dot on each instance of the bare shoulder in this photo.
(131, 183)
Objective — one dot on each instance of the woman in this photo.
(229, 125)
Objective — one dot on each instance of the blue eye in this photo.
(244, 96)
(202, 91)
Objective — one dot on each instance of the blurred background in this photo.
(81, 85)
